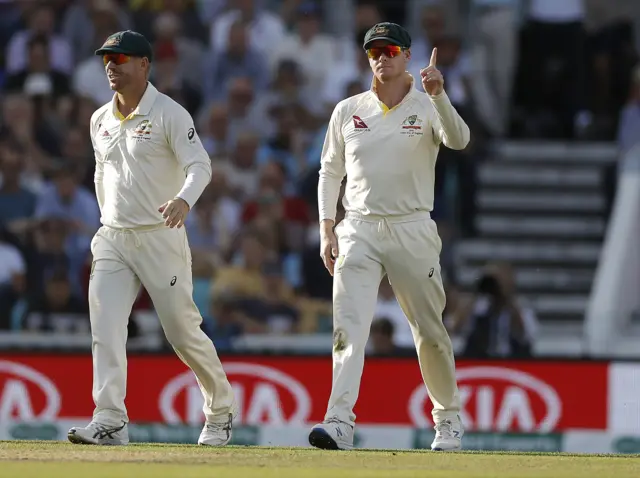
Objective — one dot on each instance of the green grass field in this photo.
(56, 459)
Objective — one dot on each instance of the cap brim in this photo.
(115, 49)
(390, 40)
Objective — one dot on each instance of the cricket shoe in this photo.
(217, 433)
(96, 433)
(332, 434)
(448, 435)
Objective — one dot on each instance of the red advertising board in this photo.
(496, 395)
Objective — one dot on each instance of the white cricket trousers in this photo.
(159, 258)
(406, 249)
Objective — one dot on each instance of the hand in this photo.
(328, 245)
(174, 212)
(432, 80)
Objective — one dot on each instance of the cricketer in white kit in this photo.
(386, 142)
(151, 168)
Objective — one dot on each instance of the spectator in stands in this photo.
(611, 58)
(12, 280)
(275, 312)
(33, 132)
(382, 342)
(58, 309)
(214, 131)
(169, 78)
(86, 26)
(287, 146)
(189, 53)
(78, 154)
(387, 308)
(87, 23)
(494, 29)
(41, 21)
(493, 323)
(66, 200)
(37, 78)
(47, 251)
(241, 118)
(287, 88)
(264, 29)
(17, 203)
(242, 172)
(224, 322)
(243, 277)
(146, 11)
(214, 221)
(314, 51)
(239, 59)
(551, 78)
(353, 73)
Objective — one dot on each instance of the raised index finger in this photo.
(434, 56)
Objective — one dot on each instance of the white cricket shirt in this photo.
(388, 155)
(146, 159)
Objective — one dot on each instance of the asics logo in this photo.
(107, 432)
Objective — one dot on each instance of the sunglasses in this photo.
(116, 58)
(390, 51)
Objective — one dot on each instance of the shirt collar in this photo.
(409, 79)
(143, 108)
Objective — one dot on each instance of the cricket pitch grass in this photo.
(27, 459)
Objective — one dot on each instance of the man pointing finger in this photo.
(432, 80)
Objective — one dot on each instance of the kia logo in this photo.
(26, 394)
(264, 395)
(502, 399)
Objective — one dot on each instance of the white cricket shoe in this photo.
(448, 435)
(332, 434)
(217, 433)
(96, 433)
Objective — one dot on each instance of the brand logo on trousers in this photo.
(431, 272)
(496, 399)
(173, 281)
(264, 395)
(26, 394)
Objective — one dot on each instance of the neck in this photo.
(392, 92)
(129, 99)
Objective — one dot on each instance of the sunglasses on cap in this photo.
(390, 51)
(116, 58)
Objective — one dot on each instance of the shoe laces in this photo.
(217, 427)
(444, 429)
(334, 420)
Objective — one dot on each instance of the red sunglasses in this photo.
(116, 58)
(390, 51)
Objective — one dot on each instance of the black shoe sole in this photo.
(320, 439)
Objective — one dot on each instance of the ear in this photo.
(407, 54)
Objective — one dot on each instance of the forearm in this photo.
(99, 192)
(455, 132)
(198, 178)
(328, 194)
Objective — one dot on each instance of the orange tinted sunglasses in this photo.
(390, 51)
(116, 58)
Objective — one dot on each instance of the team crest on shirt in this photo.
(142, 131)
(412, 126)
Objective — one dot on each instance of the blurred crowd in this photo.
(261, 77)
